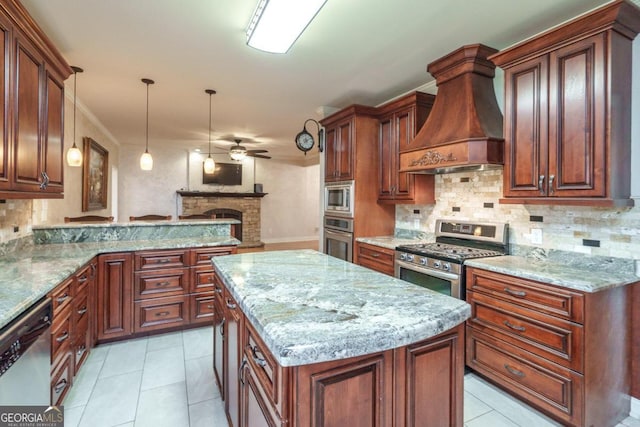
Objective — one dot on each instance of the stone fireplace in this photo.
(244, 207)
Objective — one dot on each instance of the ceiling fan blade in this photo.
(261, 156)
(257, 151)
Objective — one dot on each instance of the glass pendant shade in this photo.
(146, 161)
(74, 156)
(209, 165)
(237, 153)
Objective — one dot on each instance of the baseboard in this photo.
(635, 408)
(291, 239)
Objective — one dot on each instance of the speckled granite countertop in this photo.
(579, 272)
(309, 307)
(29, 274)
(389, 242)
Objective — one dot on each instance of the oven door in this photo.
(338, 244)
(436, 280)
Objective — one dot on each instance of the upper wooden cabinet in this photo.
(400, 120)
(568, 111)
(339, 150)
(31, 108)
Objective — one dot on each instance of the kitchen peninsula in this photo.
(308, 339)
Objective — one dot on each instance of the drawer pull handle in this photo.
(514, 371)
(218, 291)
(241, 371)
(162, 313)
(63, 337)
(163, 284)
(210, 306)
(374, 255)
(83, 279)
(551, 178)
(81, 350)
(62, 298)
(259, 360)
(60, 386)
(82, 311)
(514, 327)
(519, 294)
(230, 305)
(540, 184)
(222, 328)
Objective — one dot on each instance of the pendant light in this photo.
(209, 164)
(74, 155)
(146, 161)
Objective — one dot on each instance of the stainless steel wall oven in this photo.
(338, 237)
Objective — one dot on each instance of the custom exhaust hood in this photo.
(464, 128)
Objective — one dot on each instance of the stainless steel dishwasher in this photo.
(25, 357)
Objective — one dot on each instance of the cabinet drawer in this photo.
(83, 278)
(376, 258)
(61, 296)
(161, 313)
(80, 343)
(202, 308)
(202, 256)
(61, 381)
(160, 259)
(551, 388)
(556, 339)
(263, 366)
(202, 278)
(162, 283)
(60, 336)
(80, 307)
(548, 299)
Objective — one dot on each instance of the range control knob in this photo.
(436, 264)
(410, 257)
(423, 261)
(446, 266)
(403, 257)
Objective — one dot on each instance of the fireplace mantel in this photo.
(185, 193)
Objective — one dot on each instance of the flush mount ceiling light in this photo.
(74, 155)
(277, 24)
(146, 161)
(209, 164)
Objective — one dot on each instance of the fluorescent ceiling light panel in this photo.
(277, 24)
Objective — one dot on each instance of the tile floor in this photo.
(167, 380)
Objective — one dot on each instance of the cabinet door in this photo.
(404, 125)
(54, 134)
(27, 155)
(218, 344)
(526, 129)
(5, 153)
(331, 141)
(344, 153)
(577, 121)
(233, 353)
(255, 409)
(115, 295)
(387, 150)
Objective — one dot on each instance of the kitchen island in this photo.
(304, 339)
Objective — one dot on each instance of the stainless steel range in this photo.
(439, 265)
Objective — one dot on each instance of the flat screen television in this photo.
(224, 173)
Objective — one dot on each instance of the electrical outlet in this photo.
(536, 236)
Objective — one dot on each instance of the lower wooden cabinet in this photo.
(375, 257)
(114, 305)
(202, 308)
(399, 387)
(562, 351)
(161, 313)
(61, 379)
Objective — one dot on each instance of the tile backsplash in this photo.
(15, 222)
(613, 232)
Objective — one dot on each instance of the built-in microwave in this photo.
(338, 198)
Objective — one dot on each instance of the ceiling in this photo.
(352, 52)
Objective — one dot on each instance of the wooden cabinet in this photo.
(115, 296)
(232, 354)
(339, 150)
(31, 152)
(219, 337)
(400, 120)
(398, 387)
(567, 112)
(562, 351)
(376, 257)
(83, 316)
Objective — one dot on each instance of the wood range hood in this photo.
(464, 128)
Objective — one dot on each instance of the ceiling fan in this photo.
(239, 152)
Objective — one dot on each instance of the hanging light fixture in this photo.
(277, 24)
(238, 152)
(74, 155)
(146, 161)
(209, 164)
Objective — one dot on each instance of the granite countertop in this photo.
(28, 274)
(579, 272)
(184, 222)
(309, 307)
(389, 242)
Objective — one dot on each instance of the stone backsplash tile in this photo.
(14, 213)
(563, 227)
